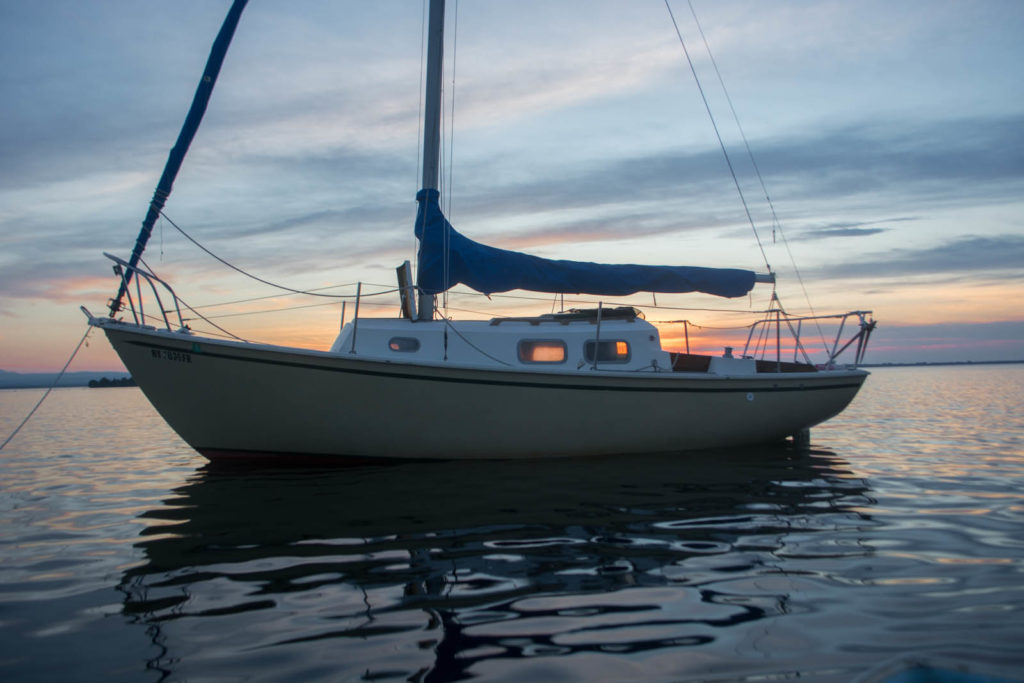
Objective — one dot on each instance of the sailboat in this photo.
(418, 385)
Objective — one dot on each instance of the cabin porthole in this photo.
(404, 344)
(542, 351)
(750, 396)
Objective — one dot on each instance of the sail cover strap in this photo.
(489, 270)
(188, 131)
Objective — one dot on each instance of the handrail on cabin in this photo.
(121, 269)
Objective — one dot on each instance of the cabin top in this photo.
(560, 342)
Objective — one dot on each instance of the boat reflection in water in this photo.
(606, 568)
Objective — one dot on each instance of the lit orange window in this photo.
(542, 351)
(607, 351)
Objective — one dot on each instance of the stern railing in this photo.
(776, 319)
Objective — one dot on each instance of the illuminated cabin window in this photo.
(542, 351)
(610, 351)
(404, 344)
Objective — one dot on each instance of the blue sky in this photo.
(890, 136)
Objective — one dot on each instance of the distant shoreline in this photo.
(44, 380)
(939, 363)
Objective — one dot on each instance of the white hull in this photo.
(234, 399)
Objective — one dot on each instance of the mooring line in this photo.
(59, 376)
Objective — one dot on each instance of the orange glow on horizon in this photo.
(315, 323)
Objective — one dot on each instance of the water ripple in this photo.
(128, 562)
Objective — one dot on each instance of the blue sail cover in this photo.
(488, 270)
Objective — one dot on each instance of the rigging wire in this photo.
(721, 143)
(736, 119)
(301, 306)
(277, 296)
(266, 310)
(185, 303)
(448, 325)
(47, 393)
(776, 224)
(243, 272)
(317, 292)
(591, 302)
(450, 161)
(694, 325)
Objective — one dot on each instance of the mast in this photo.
(177, 155)
(432, 120)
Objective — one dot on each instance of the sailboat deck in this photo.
(693, 362)
(572, 342)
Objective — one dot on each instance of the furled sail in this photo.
(489, 270)
(177, 155)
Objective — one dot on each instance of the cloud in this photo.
(866, 169)
(846, 229)
(298, 204)
(290, 160)
(827, 233)
(64, 280)
(969, 157)
(947, 160)
(996, 257)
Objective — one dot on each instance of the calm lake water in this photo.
(124, 557)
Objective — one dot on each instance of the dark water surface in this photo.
(124, 557)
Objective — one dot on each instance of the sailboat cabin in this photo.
(560, 342)
(612, 339)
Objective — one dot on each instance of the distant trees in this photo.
(104, 382)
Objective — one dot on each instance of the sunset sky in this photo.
(890, 136)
